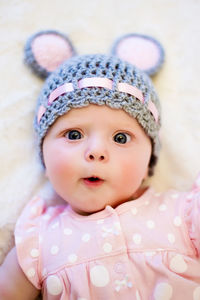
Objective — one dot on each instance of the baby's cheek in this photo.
(56, 163)
(59, 174)
(61, 165)
(133, 171)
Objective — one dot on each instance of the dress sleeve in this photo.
(27, 240)
(192, 215)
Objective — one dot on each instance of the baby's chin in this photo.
(92, 205)
(88, 212)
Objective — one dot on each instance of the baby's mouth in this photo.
(93, 180)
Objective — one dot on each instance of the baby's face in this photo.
(96, 156)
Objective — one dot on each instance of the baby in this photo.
(97, 124)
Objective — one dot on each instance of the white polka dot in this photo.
(174, 196)
(55, 225)
(86, 237)
(196, 293)
(162, 207)
(163, 291)
(31, 272)
(177, 264)
(137, 238)
(67, 231)
(46, 217)
(129, 284)
(117, 225)
(134, 211)
(171, 238)
(157, 194)
(34, 253)
(137, 295)
(54, 250)
(54, 285)
(18, 239)
(72, 258)
(150, 224)
(99, 276)
(31, 229)
(190, 195)
(100, 221)
(177, 221)
(117, 288)
(34, 209)
(80, 298)
(146, 202)
(107, 247)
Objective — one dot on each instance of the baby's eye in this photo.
(122, 138)
(73, 135)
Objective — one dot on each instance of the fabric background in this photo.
(92, 26)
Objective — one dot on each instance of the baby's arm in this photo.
(13, 282)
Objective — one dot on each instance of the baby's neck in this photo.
(139, 192)
(135, 196)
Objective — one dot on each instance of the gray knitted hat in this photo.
(110, 80)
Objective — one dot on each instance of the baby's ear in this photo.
(46, 50)
(142, 51)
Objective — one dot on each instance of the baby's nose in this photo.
(96, 152)
(95, 156)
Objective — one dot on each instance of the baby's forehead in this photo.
(97, 112)
(97, 115)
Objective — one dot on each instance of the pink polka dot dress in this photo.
(144, 249)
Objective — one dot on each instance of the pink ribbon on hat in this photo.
(153, 110)
(98, 82)
(41, 111)
(62, 89)
(132, 90)
(95, 82)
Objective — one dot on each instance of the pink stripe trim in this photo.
(40, 113)
(153, 110)
(67, 87)
(98, 82)
(132, 90)
(95, 82)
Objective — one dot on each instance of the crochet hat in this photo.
(119, 80)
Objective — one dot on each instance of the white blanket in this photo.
(92, 27)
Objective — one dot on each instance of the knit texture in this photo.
(155, 67)
(104, 66)
(30, 58)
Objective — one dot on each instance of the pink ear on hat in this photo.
(46, 50)
(142, 51)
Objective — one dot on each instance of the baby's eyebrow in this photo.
(68, 122)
